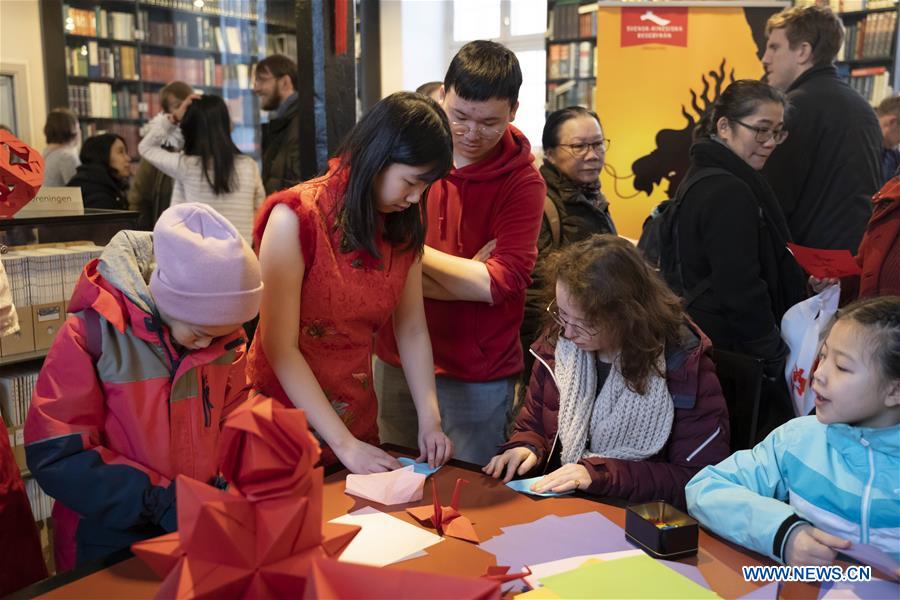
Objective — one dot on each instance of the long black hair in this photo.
(207, 134)
(96, 151)
(405, 128)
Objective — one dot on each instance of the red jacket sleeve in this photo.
(700, 437)
(518, 225)
(238, 386)
(64, 444)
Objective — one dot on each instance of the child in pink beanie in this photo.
(147, 366)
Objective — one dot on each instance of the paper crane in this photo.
(501, 574)
(447, 520)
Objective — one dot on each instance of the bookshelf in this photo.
(571, 54)
(108, 59)
(868, 59)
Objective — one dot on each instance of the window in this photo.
(520, 25)
(8, 102)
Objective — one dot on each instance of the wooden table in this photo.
(490, 505)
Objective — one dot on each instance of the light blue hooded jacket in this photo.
(842, 479)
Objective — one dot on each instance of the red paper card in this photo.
(825, 263)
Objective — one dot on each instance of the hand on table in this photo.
(516, 461)
(362, 458)
(807, 545)
(565, 479)
(434, 446)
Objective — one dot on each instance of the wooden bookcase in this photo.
(108, 59)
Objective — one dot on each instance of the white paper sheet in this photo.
(383, 539)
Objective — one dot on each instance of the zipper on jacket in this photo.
(207, 404)
(867, 493)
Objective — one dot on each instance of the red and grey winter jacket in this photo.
(700, 432)
(118, 413)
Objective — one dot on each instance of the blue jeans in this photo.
(473, 415)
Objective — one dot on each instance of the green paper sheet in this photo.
(631, 577)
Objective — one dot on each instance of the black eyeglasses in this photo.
(764, 134)
(581, 150)
(557, 318)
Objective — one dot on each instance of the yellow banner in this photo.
(657, 70)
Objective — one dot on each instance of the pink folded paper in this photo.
(394, 487)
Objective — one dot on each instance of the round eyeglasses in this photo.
(764, 134)
(580, 331)
(582, 150)
(481, 131)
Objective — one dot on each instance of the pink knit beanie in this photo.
(205, 273)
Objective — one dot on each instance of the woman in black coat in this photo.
(103, 173)
(731, 232)
(574, 154)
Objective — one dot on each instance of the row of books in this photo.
(575, 59)
(272, 12)
(94, 60)
(195, 71)
(566, 23)
(41, 503)
(45, 275)
(98, 22)
(198, 32)
(129, 132)
(872, 83)
(99, 100)
(873, 37)
(16, 387)
(843, 6)
(570, 93)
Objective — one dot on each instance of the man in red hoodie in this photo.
(474, 290)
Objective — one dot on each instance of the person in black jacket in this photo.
(275, 82)
(103, 172)
(731, 233)
(830, 166)
(574, 154)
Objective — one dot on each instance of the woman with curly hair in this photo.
(623, 400)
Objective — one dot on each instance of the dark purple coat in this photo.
(700, 433)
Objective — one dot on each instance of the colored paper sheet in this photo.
(825, 263)
(524, 486)
(689, 571)
(631, 577)
(394, 487)
(383, 539)
(421, 468)
(553, 537)
(863, 590)
(540, 593)
(554, 567)
(765, 592)
(868, 554)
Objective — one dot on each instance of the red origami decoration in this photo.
(21, 173)
(447, 520)
(257, 540)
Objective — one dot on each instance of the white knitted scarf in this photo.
(622, 423)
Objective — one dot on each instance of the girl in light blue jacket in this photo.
(817, 485)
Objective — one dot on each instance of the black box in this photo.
(661, 530)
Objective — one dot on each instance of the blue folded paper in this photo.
(419, 467)
(524, 486)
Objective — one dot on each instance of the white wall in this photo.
(414, 43)
(21, 47)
